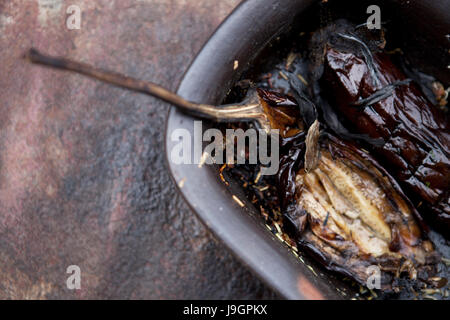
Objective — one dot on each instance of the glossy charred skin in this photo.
(372, 95)
(350, 214)
(281, 111)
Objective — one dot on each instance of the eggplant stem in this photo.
(249, 110)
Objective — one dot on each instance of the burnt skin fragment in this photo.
(282, 112)
(376, 98)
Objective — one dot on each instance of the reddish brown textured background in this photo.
(83, 179)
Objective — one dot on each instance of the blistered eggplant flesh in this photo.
(353, 217)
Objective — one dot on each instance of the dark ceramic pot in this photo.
(248, 30)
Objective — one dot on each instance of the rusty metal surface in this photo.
(83, 179)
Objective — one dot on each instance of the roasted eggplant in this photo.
(376, 98)
(345, 209)
(349, 212)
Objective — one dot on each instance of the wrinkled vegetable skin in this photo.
(415, 133)
(350, 214)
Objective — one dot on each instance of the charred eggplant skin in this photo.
(405, 239)
(415, 134)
